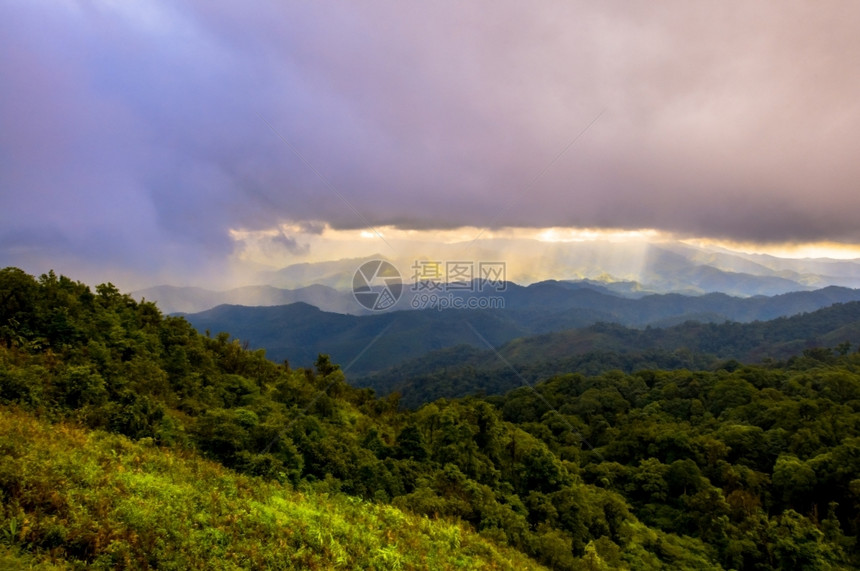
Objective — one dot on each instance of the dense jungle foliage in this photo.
(108, 406)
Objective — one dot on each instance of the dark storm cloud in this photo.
(136, 133)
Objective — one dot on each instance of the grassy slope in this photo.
(74, 496)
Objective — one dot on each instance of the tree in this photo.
(793, 480)
(18, 294)
(411, 444)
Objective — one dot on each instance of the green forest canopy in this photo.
(745, 467)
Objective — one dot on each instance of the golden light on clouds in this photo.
(294, 243)
(591, 234)
(831, 250)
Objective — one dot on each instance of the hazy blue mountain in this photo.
(628, 268)
(622, 288)
(668, 271)
(173, 299)
(551, 301)
(618, 269)
(336, 274)
(624, 302)
(811, 271)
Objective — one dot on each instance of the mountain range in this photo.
(464, 370)
(366, 344)
(625, 269)
(179, 299)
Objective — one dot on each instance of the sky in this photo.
(193, 142)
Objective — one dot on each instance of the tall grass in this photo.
(78, 499)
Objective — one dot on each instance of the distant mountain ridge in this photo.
(463, 370)
(176, 299)
(613, 301)
(659, 267)
(628, 270)
(298, 332)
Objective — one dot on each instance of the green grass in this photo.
(78, 499)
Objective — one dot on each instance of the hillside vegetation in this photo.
(464, 370)
(74, 496)
(737, 468)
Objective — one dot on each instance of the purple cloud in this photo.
(132, 136)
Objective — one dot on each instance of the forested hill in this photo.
(464, 370)
(107, 407)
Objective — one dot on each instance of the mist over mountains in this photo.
(626, 269)
(598, 305)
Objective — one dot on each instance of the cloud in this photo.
(291, 245)
(137, 135)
